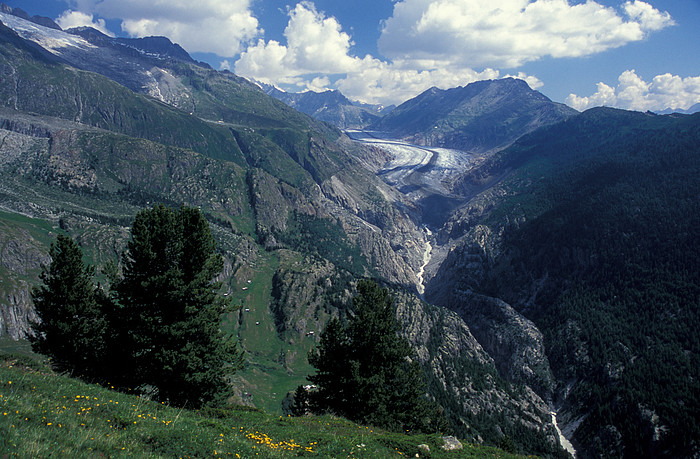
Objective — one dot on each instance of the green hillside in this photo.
(82, 154)
(41, 84)
(44, 414)
(233, 119)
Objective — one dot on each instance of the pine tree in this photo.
(72, 327)
(364, 370)
(171, 309)
(333, 378)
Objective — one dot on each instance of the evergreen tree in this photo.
(333, 378)
(364, 371)
(72, 327)
(171, 309)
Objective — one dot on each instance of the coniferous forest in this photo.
(605, 261)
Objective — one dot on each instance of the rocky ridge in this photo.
(330, 106)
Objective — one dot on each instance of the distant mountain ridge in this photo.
(155, 46)
(689, 111)
(480, 117)
(137, 64)
(20, 13)
(330, 106)
(159, 47)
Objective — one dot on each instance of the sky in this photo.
(631, 54)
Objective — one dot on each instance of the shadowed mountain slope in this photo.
(479, 117)
(592, 236)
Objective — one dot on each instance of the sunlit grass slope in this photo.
(44, 414)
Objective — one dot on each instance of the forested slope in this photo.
(594, 236)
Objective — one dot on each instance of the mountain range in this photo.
(481, 117)
(691, 110)
(296, 207)
(331, 106)
(541, 259)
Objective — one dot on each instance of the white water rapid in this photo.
(565, 443)
(427, 253)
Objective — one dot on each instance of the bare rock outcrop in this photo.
(514, 341)
(463, 375)
(21, 257)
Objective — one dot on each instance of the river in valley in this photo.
(565, 443)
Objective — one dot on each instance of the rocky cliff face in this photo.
(17, 313)
(21, 257)
(463, 377)
(514, 342)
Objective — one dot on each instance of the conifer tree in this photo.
(364, 371)
(72, 326)
(171, 309)
(333, 377)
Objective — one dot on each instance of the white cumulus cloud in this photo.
(509, 33)
(319, 84)
(393, 83)
(69, 19)
(633, 93)
(223, 27)
(315, 44)
(316, 47)
(531, 80)
(647, 16)
(443, 43)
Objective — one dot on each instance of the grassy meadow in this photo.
(45, 414)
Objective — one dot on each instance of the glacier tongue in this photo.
(50, 39)
(416, 170)
(422, 174)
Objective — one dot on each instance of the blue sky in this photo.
(641, 55)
